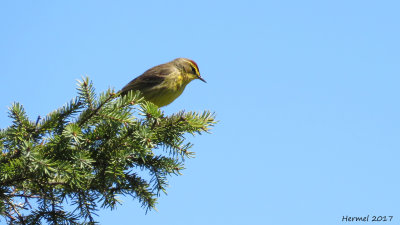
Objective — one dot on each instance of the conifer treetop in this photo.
(89, 152)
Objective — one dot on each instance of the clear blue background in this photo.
(306, 92)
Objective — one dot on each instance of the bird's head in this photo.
(190, 68)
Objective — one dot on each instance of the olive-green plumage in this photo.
(162, 84)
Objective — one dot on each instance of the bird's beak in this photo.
(200, 78)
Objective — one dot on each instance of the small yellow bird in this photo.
(162, 84)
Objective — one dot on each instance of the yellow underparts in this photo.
(165, 93)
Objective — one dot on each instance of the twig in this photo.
(25, 196)
(20, 217)
(37, 121)
(94, 112)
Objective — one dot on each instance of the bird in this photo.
(162, 84)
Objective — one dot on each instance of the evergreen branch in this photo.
(14, 207)
(131, 98)
(86, 206)
(86, 92)
(90, 152)
(141, 188)
(24, 196)
(20, 120)
(160, 167)
(58, 118)
(89, 113)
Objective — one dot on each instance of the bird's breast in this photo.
(179, 82)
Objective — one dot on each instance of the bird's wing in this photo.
(149, 79)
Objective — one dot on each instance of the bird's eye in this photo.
(194, 71)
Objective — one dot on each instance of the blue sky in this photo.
(306, 92)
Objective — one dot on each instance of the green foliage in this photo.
(88, 153)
